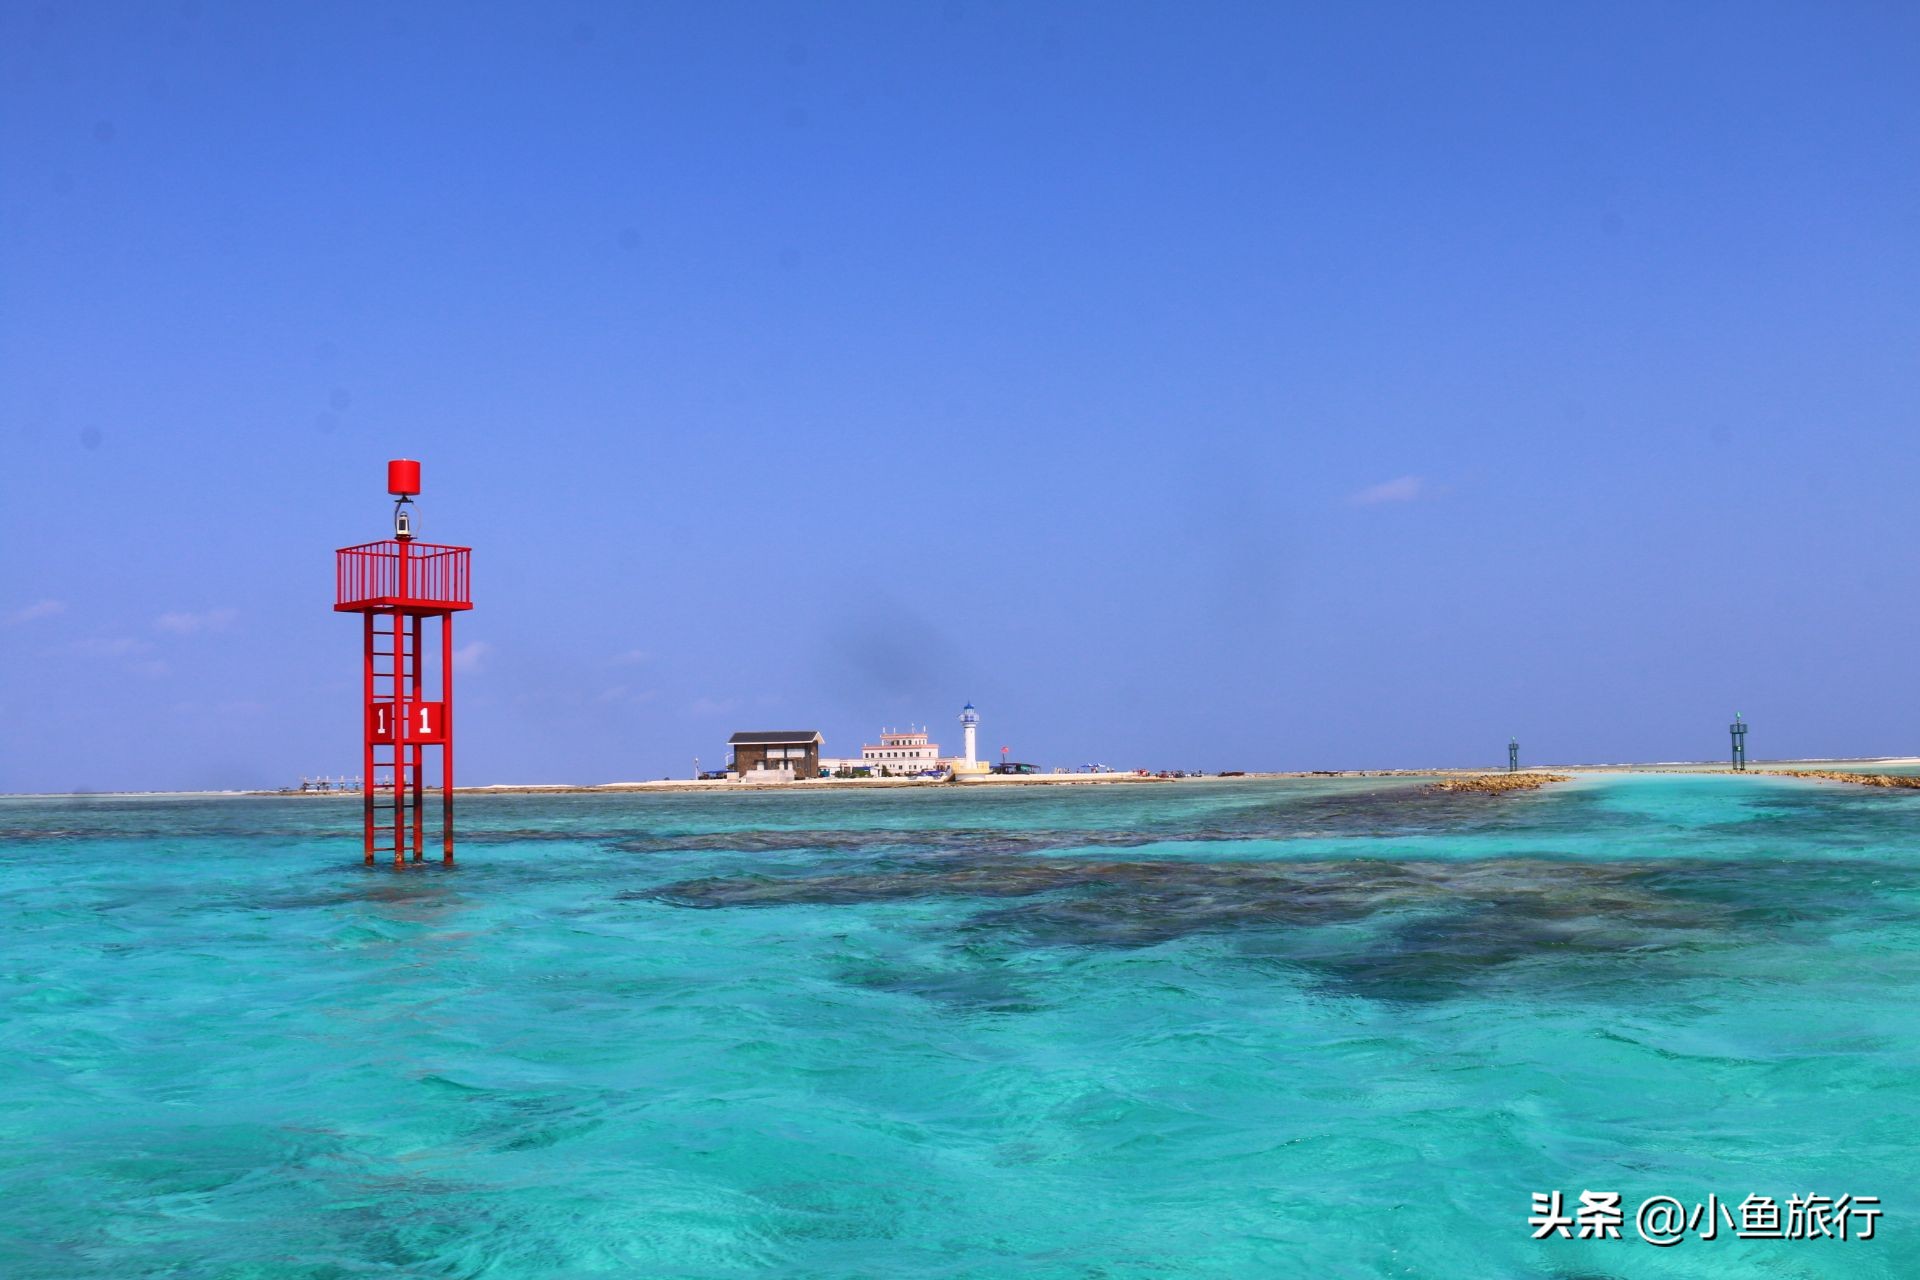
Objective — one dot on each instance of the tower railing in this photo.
(402, 575)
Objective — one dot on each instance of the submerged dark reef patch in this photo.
(1413, 930)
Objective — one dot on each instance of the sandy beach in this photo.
(1875, 771)
(1865, 771)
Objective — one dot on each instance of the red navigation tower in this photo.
(396, 585)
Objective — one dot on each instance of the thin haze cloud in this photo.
(111, 646)
(37, 610)
(183, 623)
(471, 657)
(1403, 489)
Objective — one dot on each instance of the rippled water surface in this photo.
(1330, 1028)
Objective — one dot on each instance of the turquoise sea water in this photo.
(1327, 1029)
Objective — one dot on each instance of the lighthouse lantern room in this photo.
(398, 586)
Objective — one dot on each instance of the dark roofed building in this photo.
(794, 750)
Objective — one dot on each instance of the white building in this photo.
(902, 751)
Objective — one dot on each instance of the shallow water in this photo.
(1327, 1028)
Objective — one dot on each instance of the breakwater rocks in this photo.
(1907, 781)
(1497, 784)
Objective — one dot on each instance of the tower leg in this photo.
(366, 735)
(418, 752)
(401, 710)
(446, 750)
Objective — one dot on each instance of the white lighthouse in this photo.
(970, 727)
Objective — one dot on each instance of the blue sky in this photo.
(1221, 386)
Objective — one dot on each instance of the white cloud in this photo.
(129, 651)
(37, 610)
(714, 706)
(183, 623)
(631, 658)
(626, 694)
(237, 707)
(471, 656)
(1403, 489)
(111, 646)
